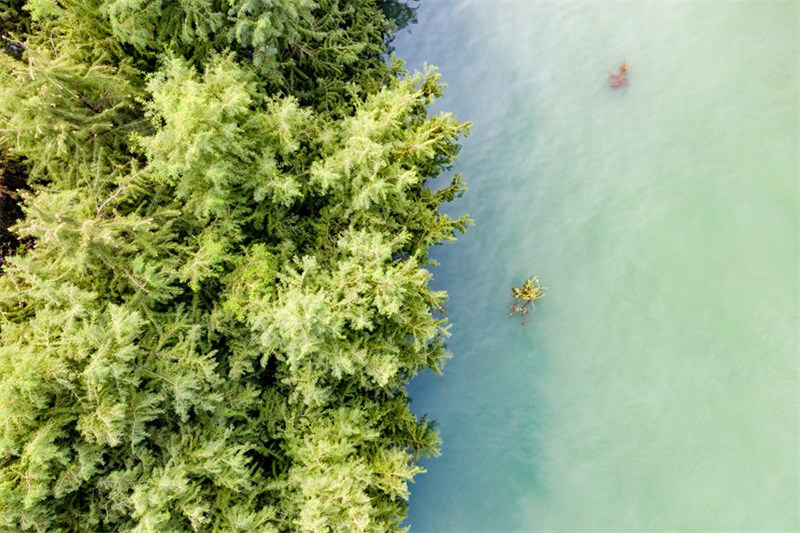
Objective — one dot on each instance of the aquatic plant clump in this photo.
(525, 295)
(619, 79)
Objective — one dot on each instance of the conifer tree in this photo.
(222, 293)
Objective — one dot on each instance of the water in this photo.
(657, 387)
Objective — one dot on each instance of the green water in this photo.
(658, 386)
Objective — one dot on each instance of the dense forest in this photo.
(216, 219)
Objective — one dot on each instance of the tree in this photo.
(223, 292)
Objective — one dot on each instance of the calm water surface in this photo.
(657, 387)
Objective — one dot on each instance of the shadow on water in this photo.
(487, 405)
(402, 13)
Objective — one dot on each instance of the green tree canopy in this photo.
(223, 290)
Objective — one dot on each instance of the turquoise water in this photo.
(657, 387)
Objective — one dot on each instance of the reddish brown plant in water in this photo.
(619, 79)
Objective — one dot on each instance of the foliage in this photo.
(223, 292)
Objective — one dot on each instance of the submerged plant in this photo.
(525, 295)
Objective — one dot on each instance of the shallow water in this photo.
(658, 385)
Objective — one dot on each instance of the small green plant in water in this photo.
(525, 295)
